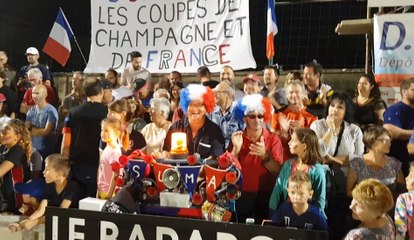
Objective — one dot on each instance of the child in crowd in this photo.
(404, 209)
(298, 212)
(111, 131)
(60, 191)
(15, 149)
(33, 191)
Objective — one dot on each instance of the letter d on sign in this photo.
(401, 36)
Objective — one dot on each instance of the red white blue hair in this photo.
(197, 92)
(254, 103)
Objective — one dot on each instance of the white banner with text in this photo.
(179, 35)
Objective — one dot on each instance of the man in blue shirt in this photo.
(223, 114)
(297, 212)
(42, 122)
(399, 120)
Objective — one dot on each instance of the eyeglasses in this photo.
(260, 116)
(384, 140)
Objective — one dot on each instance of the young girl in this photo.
(15, 149)
(404, 209)
(124, 111)
(110, 134)
(304, 146)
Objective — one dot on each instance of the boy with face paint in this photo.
(298, 212)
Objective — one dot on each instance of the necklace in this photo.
(363, 100)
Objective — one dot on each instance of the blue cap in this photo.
(35, 188)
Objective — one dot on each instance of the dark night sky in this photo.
(306, 32)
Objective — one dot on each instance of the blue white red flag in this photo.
(271, 29)
(58, 45)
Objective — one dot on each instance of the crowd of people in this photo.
(311, 157)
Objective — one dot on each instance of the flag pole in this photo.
(80, 50)
(270, 61)
(74, 38)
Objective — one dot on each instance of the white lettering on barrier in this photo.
(161, 231)
(137, 233)
(73, 222)
(105, 225)
(55, 227)
(261, 238)
(195, 235)
(225, 236)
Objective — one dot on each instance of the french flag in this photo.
(58, 44)
(271, 29)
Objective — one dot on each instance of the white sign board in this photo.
(388, 3)
(394, 52)
(179, 35)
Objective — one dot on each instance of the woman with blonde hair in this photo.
(124, 110)
(370, 204)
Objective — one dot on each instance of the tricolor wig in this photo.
(197, 92)
(254, 103)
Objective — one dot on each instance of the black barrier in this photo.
(64, 224)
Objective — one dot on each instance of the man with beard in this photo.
(75, 97)
(399, 120)
(276, 96)
(174, 77)
(41, 121)
(227, 74)
(203, 136)
(293, 116)
(135, 71)
(260, 155)
(317, 91)
(32, 55)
